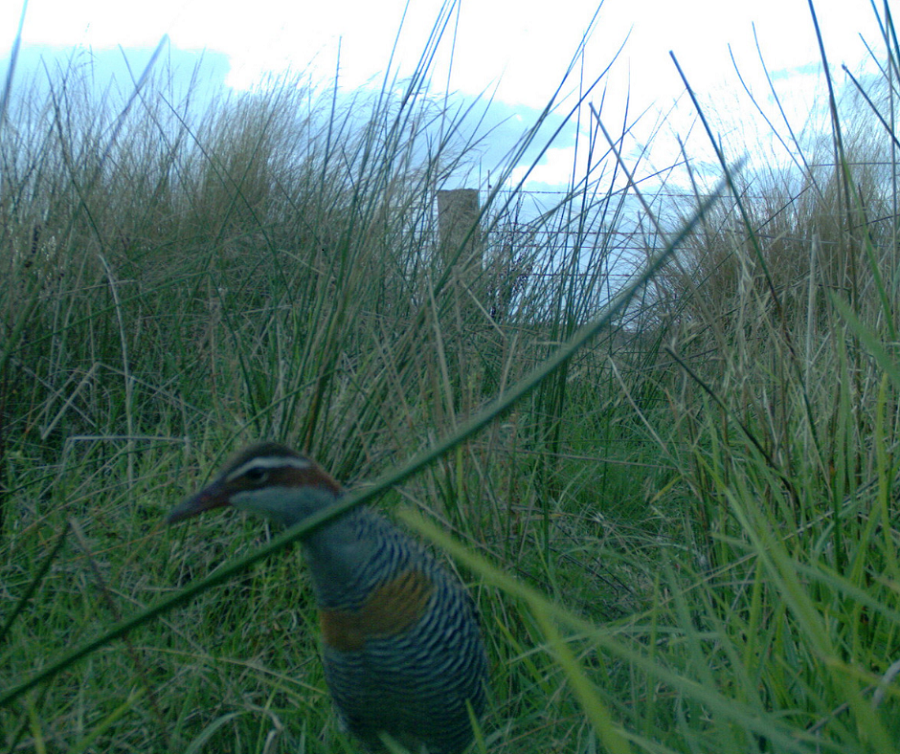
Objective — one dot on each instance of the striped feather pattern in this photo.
(411, 679)
(402, 650)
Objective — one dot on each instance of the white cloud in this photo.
(521, 47)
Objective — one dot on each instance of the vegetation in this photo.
(682, 538)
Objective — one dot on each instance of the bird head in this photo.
(265, 478)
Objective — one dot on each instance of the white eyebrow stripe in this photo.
(268, 462)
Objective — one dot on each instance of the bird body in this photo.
(402, 650)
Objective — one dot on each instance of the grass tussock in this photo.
(682, 537)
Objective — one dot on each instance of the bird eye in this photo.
(257, 475)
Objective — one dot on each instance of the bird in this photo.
(402, 649)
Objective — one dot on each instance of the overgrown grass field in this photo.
(676, 511)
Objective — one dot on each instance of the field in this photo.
(666, 466)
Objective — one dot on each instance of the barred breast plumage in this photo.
(402, 650)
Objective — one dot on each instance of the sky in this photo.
(515, 50)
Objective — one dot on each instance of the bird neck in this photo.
(338, 553)
(285, 505)
(339, 556)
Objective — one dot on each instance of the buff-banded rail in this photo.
(401, 647)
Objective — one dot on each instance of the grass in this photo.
(681, 537)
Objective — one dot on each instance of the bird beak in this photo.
(213, 496)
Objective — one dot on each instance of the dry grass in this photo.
(683, 539)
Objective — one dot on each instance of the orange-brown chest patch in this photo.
(391, 609)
